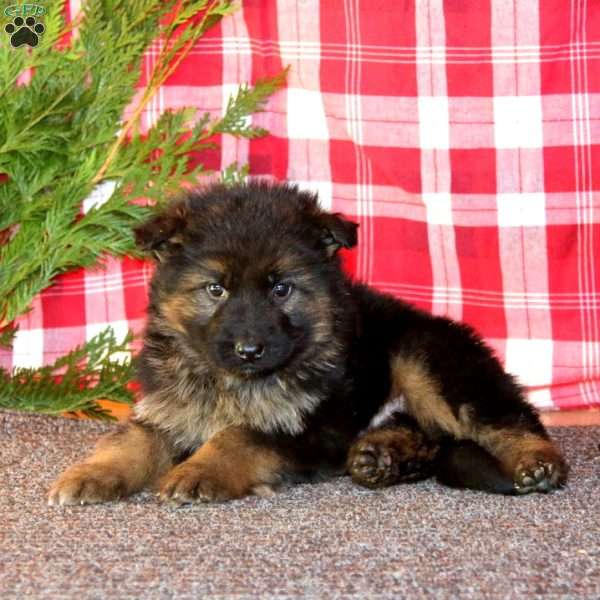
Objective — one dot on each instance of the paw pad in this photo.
(541, 476)
(376, 465)
(24, 31)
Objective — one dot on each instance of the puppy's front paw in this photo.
(87, 483)
(196, 482)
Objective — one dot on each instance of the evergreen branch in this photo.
(74, 382)
(233, 173)
(29, 270)
(7, 335)
(214, 13)
(163, 71)
(69, 139)
(246, 101)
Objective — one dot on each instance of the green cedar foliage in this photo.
(62, 135)
(99, 368)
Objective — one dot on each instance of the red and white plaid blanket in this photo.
(463, 136)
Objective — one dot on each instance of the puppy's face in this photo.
(247, 314)
(247, 274)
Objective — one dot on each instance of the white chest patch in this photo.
(387, 410)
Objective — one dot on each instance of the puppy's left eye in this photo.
(216, 291)
(281, 290)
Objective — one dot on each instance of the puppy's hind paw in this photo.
(538, 474)
(383, 458)
(371, 466)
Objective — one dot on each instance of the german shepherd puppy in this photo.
(264, 362)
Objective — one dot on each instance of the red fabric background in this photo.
(465, 139)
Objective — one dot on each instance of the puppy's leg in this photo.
(528, 456)
(395, 451)
(124, 462)
(454, 385)
(232, 464)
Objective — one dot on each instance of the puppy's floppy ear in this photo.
(162, 235)
(337, 232)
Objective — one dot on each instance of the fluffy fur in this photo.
(263, 361)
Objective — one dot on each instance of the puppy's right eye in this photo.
(216, 291)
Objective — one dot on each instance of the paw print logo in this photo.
(24, 31)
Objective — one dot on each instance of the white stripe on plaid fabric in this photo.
(103, 304)
(300, 50)
(353, 111)
(530, 360)
(556, 301)
(471, 209)
(305, 103)
(434, 141)
(518, 118)
(583, 197)
(101, 282)
(28, 348)
(237, 68)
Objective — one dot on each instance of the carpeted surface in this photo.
(323, 541)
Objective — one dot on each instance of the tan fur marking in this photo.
(176, 310)
(190, 281)
(318, 307)
(512, 446)
(229, 465)
(139, 453)
(515, 448)
(214, 264)
(285, 264)
(186, 302)
(424, 400)
(242, 462)
(123, 463)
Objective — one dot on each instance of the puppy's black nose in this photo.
(249, 352)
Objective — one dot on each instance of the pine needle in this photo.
(74, 382)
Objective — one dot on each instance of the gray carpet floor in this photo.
(327, 540)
